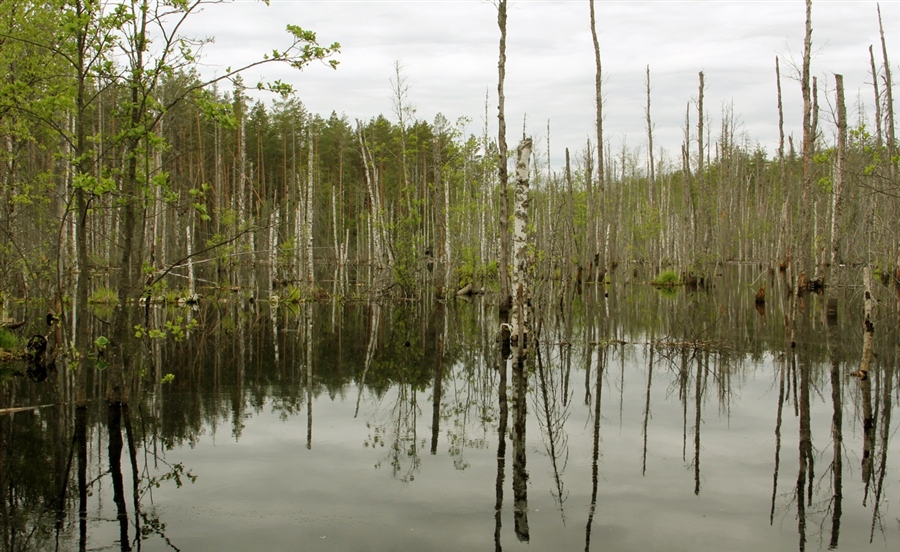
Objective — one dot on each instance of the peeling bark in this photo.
(522, 257)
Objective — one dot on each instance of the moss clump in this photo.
(666, 279)
(104, 296)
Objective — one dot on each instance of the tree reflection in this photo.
(503, 407)
(806, 471)
(308, 339)
(115, 445)
(520, 472)
(552, 412)
(400, 351)
(437, 386)
(887, 387)
(595, 451)
(81, 446)
(778, 420)
(837, 436)
(646, 414)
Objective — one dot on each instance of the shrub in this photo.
(104, 296)
(666, 278)
(8, 340)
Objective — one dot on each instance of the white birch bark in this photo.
(273, 253)
(338, 256)
(299, 226)
(310, 272)
(190, 260)
(521, 243)
(376, 226)
(242, 179)
(447, 257)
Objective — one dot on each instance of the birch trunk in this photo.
(189, 242)
(521, 245)
(273, 252)
(310, 272)
(447, 258)
(371, 174)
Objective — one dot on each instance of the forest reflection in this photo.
(352, 384)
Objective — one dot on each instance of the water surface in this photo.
(649, 421)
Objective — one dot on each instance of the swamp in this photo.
(230, 323)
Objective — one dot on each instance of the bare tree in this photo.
(839, 165)
(502, 169)
(597, 243)
(804, 245)
(888, 97)
(651, 164)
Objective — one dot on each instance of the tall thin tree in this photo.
(502, 169)
(597, 241)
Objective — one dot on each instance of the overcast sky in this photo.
(449, 49)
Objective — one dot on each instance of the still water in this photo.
(641, 421)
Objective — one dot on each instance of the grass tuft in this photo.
(666, 278)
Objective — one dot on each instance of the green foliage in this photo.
(8, 340)
(408, 248)
(100, 345)
(177, 474)
(104, 296)
(669, 292)
(177, 329)
(214, 109)
(667, 279)
(292, 294)
(471, 270)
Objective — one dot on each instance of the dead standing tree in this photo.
(596, 239)
(803, 236)
(502, 170)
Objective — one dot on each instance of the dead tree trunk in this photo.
(888, 99)
(784, 239)
(804, 237)
(839, 166)
(502, 172)
(597, 238)
(878, 134)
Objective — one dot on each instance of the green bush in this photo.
(104, 296)
(666, 278)
(8, 340)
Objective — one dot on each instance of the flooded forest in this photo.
(229, 323)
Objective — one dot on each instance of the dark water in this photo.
(648, 421)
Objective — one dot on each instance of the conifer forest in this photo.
(137, 191)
